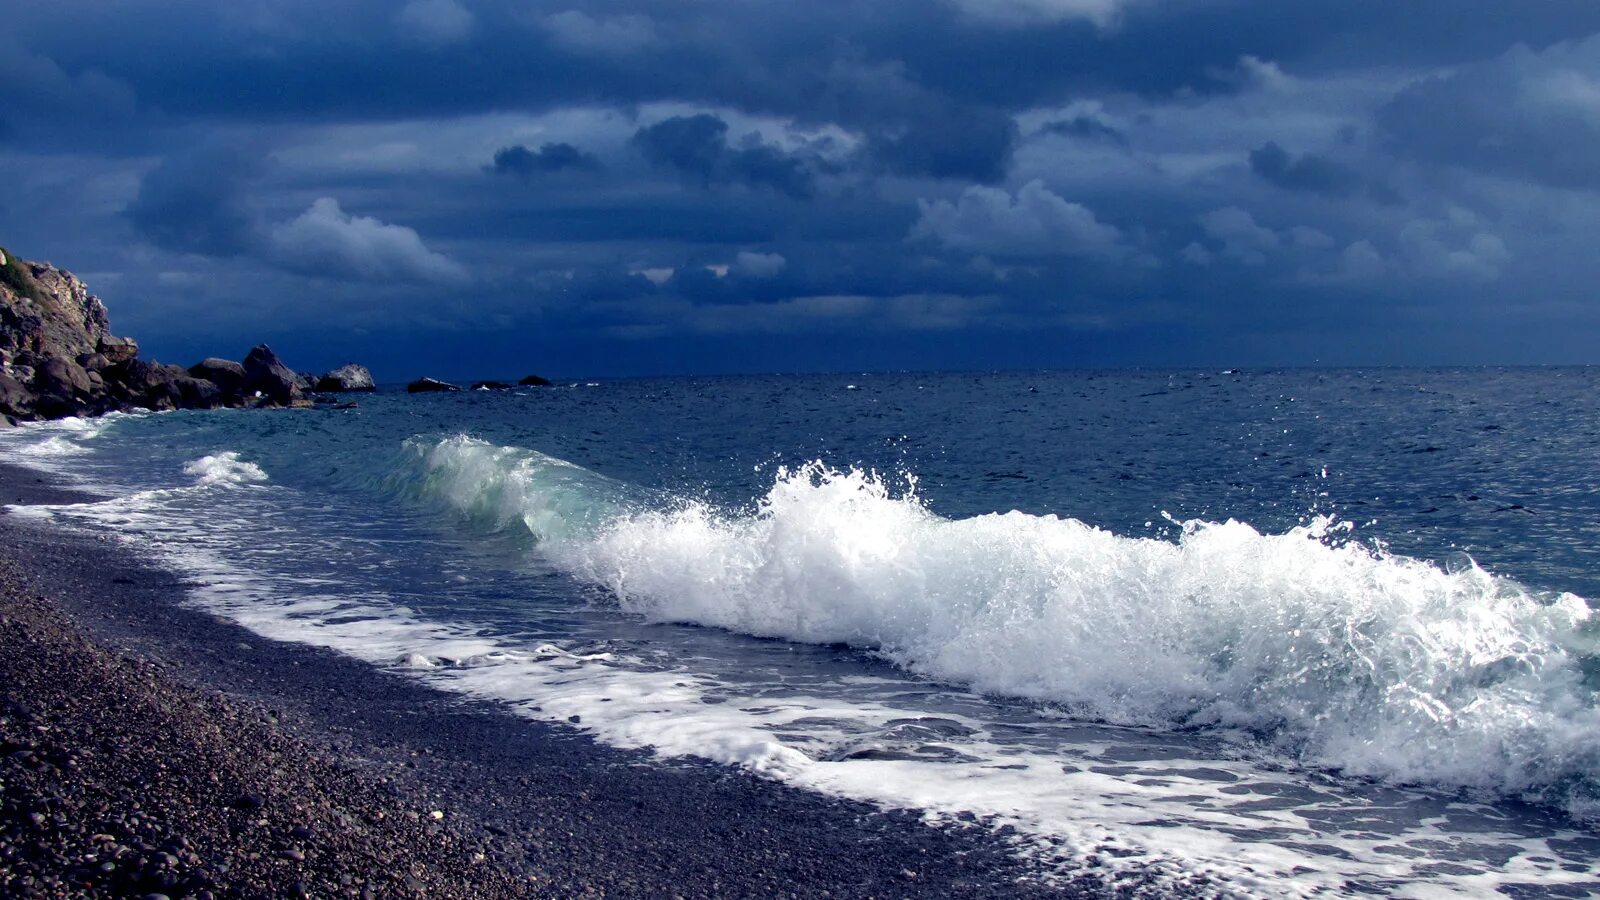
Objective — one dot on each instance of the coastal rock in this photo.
(430, 385)
(117, 349)
(347, 378)
(62, 388)
(15, 400)
(151, 385)
(62, 377)
(491, 385)
(535, 381)
(226, 374)
(59, 358)
(144, 384)
(195, 393)
(278, 384)
(50, 311)
(134, 379)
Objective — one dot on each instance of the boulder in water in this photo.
(491, 385)
(535, 381)
(226, 374)
(278, 384)
(347, 378)
(155, 386)
(430, 385)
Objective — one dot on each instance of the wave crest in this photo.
(1340, 654)
(224, 468)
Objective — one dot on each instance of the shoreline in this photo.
(350, 764)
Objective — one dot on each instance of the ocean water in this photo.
(1271, 633)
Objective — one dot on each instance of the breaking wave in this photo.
(224, 468)
(1333, 652)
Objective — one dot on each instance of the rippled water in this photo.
(1299, 630)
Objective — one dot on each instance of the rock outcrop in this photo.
(59, 358)
(429, 385)
(224, 373)
(267, 378)
(346, 379)
(535, 381)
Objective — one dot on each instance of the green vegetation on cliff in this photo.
(16, 275)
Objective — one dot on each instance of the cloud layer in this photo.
(629, 186)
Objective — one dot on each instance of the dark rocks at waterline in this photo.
(266, 376)
(59, 358)
(151, 385)
(492, 385)
(62, 376)
(226, 374)
(348, 378)
(535, 381)
(429, 386)
(14, 397)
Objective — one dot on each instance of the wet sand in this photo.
(150, 748)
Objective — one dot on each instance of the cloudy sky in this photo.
(487, 187)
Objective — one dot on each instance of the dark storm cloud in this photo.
(1086, 128)
(847, 168)
(1309, 172)
(697, 148)
(966, 144)
(552, 157)
(196, 202)
(1529, 113)
(199, 203)
(287, 58)
(49, 106)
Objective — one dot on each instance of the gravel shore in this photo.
(148, 748)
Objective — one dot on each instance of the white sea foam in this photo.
(225, 468)
(62, 437)
(1335, 653)
(1131, 804)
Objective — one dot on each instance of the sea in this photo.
(1258, 633)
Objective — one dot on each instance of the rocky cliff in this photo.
(58, 357)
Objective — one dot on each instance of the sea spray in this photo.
(1336, 653)
(225, 468)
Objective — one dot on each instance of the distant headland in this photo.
(59, 358)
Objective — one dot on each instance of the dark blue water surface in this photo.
(1499, 463)
(1495, 465)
